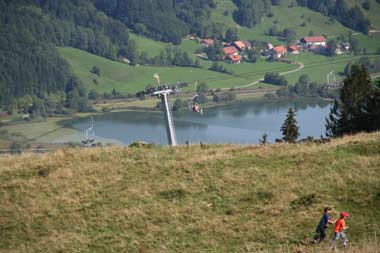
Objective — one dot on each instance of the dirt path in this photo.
(300, 67)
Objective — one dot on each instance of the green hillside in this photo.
(284, 17)
(372, 14)
(129, 79)
(210, 199)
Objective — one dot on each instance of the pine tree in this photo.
(349, 113)
(372, 109)
(290, 129)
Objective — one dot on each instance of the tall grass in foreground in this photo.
(211, 199)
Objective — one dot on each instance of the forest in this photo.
(352, 17)
(29, 62)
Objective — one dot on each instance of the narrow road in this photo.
(300, 67)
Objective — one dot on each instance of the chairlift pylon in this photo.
(90, 134)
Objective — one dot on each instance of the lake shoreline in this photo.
(50, 130)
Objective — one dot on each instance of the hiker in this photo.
(340, 226)
(322, 226)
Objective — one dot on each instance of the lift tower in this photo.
(170, 130)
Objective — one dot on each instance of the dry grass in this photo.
(211, 199)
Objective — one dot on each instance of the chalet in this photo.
(240, 45)
(208, 42)
(314, 41)
(278, 52)
(230, 51)
(234, 59)
(294, 49)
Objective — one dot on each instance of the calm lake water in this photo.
(242, 123)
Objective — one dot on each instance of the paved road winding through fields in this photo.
(300, 67)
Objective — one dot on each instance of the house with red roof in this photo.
(314, 41)
(234, 59)
(230, 51)
(278, 52)
(208, 42)
(240, 45)
(294, 49)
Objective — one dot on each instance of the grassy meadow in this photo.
(211, 199)
(130, 79)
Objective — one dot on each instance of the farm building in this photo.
(314, 41)
(294, 49)
(230, 51)
(240, 45)
(278, 52)
(234, 59)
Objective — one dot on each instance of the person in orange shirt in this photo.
(340, 226)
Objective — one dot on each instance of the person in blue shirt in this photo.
(322, 226)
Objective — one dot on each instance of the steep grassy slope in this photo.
(372, 14)
(211, 199)
(284, 17)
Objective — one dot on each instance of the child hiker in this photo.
(322, 226)
(340, 226)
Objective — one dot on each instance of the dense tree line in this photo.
(250, 12)
(351, 17)
(305, 88)
(31, 30)
(170, 56)
(358, 106)
(29, 61)
(372, 66)
(275, 78)
(164, 20)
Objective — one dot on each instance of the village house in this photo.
(278, 52)
(230, 51)
(234, 59)
(239, 45)
(294, 49)
(314, 41)
(208, 42)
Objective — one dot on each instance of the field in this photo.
(129, 79)
(317, 66)
(210, 199)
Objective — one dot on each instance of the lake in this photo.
(240, 123)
